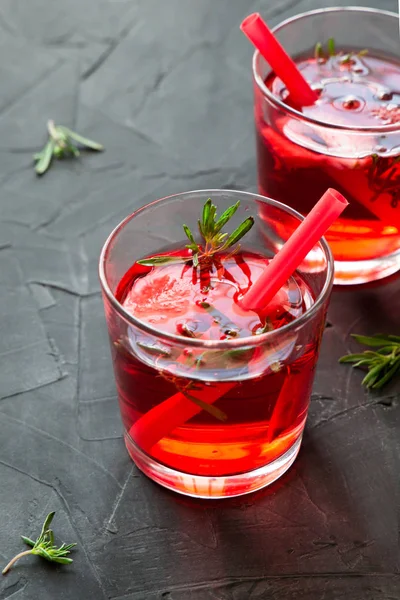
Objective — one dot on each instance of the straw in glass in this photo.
(280, 62)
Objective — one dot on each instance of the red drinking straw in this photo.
(279, 60)
(165, 417)
(161, 420)
(286, 261)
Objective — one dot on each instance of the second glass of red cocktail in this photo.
(213, 397)
(349, 138)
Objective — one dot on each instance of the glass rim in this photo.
(288, 109)
(214, 344)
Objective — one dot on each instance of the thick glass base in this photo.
(363, 271)
(199, 486)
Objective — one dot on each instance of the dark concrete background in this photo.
(165, 85)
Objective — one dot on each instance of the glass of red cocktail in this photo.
(348, 139)
(213, 397)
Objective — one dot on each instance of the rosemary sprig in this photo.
(319, 52)
(321, 56)
(347, 58)
(384, 178)
(331, 47)
(61, 144)
(382, 364)
(213, 241)
(210, 408)
(44, 547)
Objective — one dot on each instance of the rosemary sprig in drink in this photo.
(384, 178)
(319, 52)
(44, 547)
(213, 241)
(382, 364)
(322, 56)
(61, 144)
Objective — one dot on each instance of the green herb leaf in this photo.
(239, 232)
(27, 541)
(44, 547)
(211, 220)
(318, 52)
(210, 408)
(225, 217)
(67, 547)
(61, 559)
(206, 218)
(376, 340)
(388, 376)
(162, 260)
(45, 157)
(242, 354)
(200, 225)
(61, 145)
(45, 527)
(220, 238)
(154, 349)
(382, 364)
(84, 141)
(352, 358)
(193, 245)
(331, 47)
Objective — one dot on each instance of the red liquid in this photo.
(266, 404)
(297, 163)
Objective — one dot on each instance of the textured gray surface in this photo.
(166, 86)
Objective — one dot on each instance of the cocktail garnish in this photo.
(321, 56)
(383, 178)
(205, 253)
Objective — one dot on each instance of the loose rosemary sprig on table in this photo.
(61, 144)
(44, 547)
(213, 242)
(382, 364)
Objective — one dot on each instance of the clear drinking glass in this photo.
(300, 157)
(260, 383)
